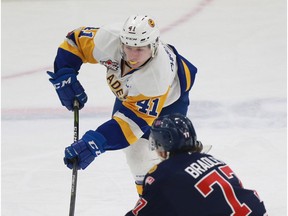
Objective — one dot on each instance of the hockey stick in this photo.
(202, 148)
(74, 170)
(206, 149)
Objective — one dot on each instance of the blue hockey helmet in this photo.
(174, 133)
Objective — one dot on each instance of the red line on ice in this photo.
(26, 73)
(183, 19)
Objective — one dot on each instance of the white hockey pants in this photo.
(140, 159)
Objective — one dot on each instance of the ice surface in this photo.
(238, 102)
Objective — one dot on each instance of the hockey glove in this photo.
(68, 87)
(85, 150)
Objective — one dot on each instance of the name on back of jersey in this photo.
(199, 167)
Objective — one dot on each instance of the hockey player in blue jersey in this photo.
(148, 77)
(189, 182)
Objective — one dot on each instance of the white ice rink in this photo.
(238, 102)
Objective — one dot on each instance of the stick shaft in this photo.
(74, 170)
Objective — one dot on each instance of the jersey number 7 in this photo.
(204, 186)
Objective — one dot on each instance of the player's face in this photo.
(162, 154)
(137, 56)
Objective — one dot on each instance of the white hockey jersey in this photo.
(143, 92)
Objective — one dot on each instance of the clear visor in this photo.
(152, 145)
(155, 140)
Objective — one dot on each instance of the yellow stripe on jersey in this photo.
(84, 44)
(130, 128)
(187, 74)
(125, 127)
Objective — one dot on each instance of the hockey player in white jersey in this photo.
(148, 77)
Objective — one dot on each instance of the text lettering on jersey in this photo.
(115, 86)
(202, 165)
(170, 58)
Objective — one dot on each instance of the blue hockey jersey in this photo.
(197, 184)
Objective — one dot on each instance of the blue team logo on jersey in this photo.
(113, 65)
